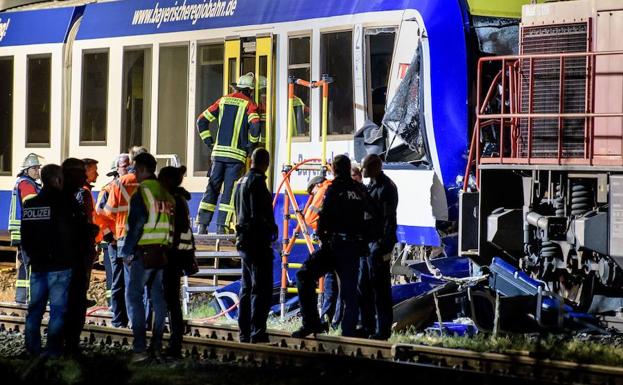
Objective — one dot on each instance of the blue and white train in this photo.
(91, 80)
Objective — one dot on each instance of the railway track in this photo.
(215, 341)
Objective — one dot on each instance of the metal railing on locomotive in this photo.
(291, 209)
(516, 115)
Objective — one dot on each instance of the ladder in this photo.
(213, 269)
(291, 209)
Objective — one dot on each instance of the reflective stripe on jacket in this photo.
(239, 127)
(18, 196)
(118, 203)
(160, 205)
(311, 215)
(105, 223)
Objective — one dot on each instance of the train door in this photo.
(254, 54)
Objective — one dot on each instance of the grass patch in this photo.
(555, 347)
(201, 311)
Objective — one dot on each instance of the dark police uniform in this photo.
(342, 231)
(375, 278)
(255, 232)
(50, 229)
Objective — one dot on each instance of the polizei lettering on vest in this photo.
(36, 214)
(4, 28)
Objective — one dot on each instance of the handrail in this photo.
(517, 107)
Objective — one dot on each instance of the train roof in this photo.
(30, 5)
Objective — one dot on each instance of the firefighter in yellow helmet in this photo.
(26, 187)
(238, 134)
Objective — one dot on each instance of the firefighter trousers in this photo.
(225, 175)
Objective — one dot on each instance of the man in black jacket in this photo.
(255, 232)
(342, 233)
(74, 178)
(375, 288)
(49, 227)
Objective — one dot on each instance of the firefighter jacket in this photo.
(300, 117)
(238, 127)
(118, 203)
(255, 226)
(25, 188)
(311, 215)
(105, 223)
(384, 198)
(150, 219)
(52, 224)
(344, 211)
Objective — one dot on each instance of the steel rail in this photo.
(223, 343)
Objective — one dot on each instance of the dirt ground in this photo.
(97, 290)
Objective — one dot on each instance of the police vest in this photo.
(15, 209)
(158, 230)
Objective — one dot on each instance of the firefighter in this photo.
(181, 256)
(375, 278)
(331, 308)
(300, 117)
(255, 232)
(107, 225)
(342, 234)
(26, 187)
(85, 198)
(238, 133)
(148, 238)
(118, 202)
(49, 230)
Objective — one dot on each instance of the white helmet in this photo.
(246, 81)
(31, 160)
(262, 82)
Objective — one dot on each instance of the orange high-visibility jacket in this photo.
(118, 203)
(311, 215)
(105, 223)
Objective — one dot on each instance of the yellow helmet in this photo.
(31, 160)
(246, 81)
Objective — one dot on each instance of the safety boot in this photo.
(202, 229)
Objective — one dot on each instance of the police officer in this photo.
(149, 236)
(255, 232)
(375, 278)
(49, 227)
(342, 234)
(26, 187)
(238, 133)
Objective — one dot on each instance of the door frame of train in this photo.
(232, 52)
(264, 47)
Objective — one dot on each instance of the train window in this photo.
(173, 101)
(6, 114)
(94, 103)
(135, 119)
(209, 89)
(379, 52)
(299, 66)
(336, 60)
(38, 100)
